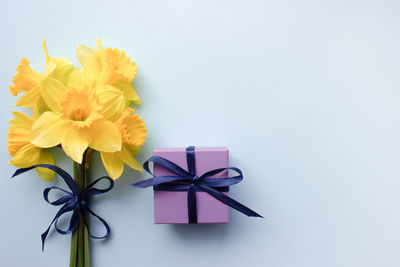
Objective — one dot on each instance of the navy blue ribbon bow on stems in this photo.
(74, 201)
(188, 181)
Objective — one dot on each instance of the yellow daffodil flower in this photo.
(29, 81)
(133, 132)
(113, 72)
(75, 118)
(24, 153)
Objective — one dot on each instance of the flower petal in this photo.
(31, 99)
(112, 99)
(88, 59)
(57, 67)
(129, 91)
(22, 120)
(100, 52)
(46, 52)
(126, 156)
(133, 148)
(26, 156)
(105, 136)
(63, 69)
(52, 92)
(74, 143)
(80, 79)
(113, 164)
(45, 158)
(48, 130)
(50, 67)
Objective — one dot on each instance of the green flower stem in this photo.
(86, 230)
(81, 244)
(80, 250)
(74, 239)
(74, 249)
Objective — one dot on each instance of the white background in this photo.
(305, 94)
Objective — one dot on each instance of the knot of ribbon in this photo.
(188, 181)
(74, 201)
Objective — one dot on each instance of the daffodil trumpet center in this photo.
(18, 137)
(80, 108)
(126, 135)
(131, 127)
(78, 114)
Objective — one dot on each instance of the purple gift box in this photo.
(172, 206)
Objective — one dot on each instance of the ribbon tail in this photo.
(230, 202)
(59, 213)
(192, 205)
(43, 236)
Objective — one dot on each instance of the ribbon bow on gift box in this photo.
(190, 182)
(74, 201)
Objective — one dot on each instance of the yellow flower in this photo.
(117, 66)
(24, 153)
(76, 118)
(113, 72)
(133, 133)
(27, 80)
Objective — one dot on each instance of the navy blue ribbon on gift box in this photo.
(74, 201)
(190, 182)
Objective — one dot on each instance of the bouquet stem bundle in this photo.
(80, 246)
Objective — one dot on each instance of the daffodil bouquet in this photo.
(80, 110)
